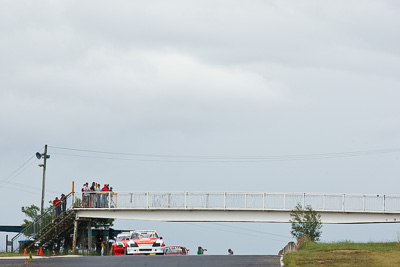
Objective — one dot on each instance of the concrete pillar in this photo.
(75, 234)
(81, 238)
(89, 233)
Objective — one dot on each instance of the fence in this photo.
(249, 201)
(97, 200)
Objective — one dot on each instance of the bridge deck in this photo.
(240, 206)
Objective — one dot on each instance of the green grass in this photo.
(345, 254)
(387, 246)
(9, 254)
(47, 253)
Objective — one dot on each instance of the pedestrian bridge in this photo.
(238, 206)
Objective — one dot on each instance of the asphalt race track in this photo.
(164, 261)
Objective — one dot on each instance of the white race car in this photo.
(145, 242)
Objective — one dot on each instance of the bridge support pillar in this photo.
(89, 233)
(75, 236)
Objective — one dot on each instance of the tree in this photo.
(305, 223)
(32, 212)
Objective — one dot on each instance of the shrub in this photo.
(306, 223)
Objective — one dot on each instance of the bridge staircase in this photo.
(48, 227)
(55, 230)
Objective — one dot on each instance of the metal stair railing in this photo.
(64, 226)
(54, 229)
(36, 228)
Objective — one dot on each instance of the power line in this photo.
(17, 172)
(196, 158)
(30, 187)
(6, 183)
(25, 188)
(153, 160)
(279, 240)
(252, 230)
(22, 190)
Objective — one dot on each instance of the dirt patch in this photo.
(345, 251)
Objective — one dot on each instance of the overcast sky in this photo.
(213, 79)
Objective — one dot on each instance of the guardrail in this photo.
(247, 201)
(97, 200)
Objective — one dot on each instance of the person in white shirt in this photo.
(85, 190)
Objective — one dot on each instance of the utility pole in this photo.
(44, 178)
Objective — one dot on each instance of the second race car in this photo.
(118, 248)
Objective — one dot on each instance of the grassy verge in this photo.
(47, 253)
(345, 254)
(9, 254)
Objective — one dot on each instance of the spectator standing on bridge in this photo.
(57, 205)
(92, 194)
(93, 187)
(63, 204)
(111, 194)
(98, 196)
(83, 196)
(230, 251)
(85, 191)
(105, 190)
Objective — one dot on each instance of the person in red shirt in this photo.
(105, 196)
(57, 205)
(105, 188)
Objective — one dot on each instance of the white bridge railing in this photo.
(252, 201)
